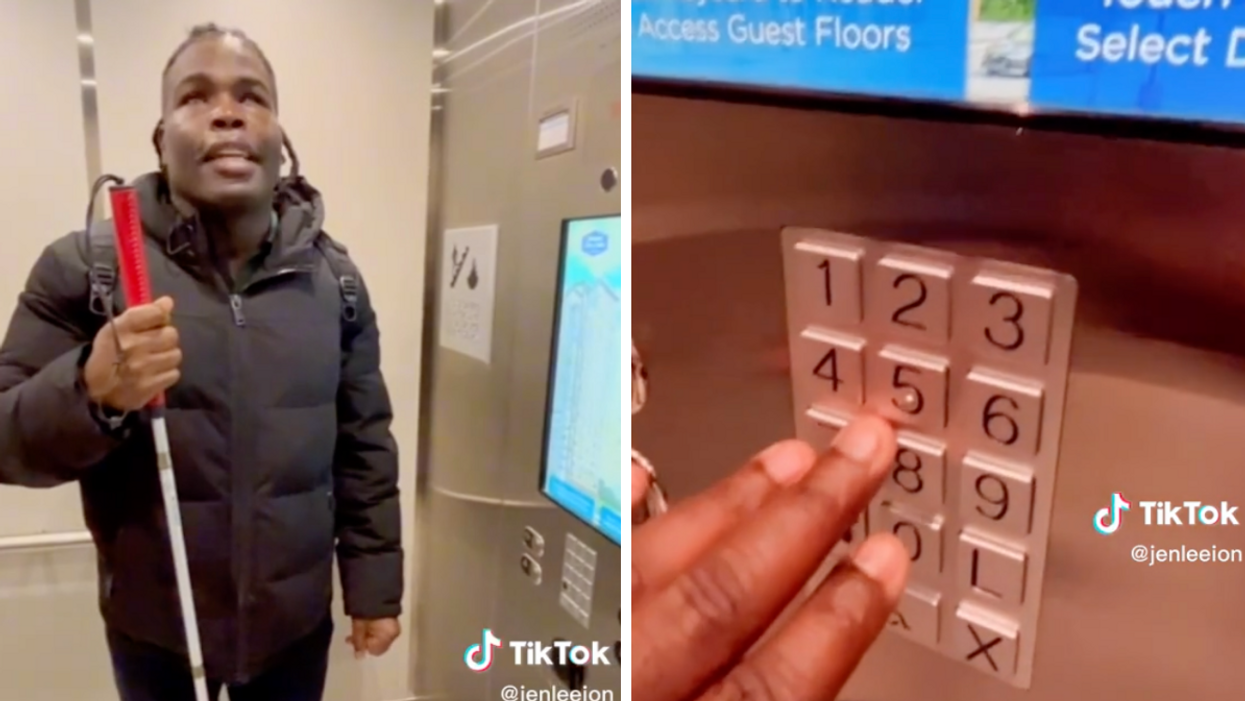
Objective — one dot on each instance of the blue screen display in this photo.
(583, 436)
(1172, 59)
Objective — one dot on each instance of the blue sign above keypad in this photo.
(1175, 59)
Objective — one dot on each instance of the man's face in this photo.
(221, 143)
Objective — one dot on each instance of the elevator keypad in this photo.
(916, 616)
(579, 569)
(968, 357)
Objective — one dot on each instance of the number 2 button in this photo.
(912, 297)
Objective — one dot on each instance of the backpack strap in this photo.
(101, 261)
(348, 281)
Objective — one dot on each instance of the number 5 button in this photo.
(910, 388)
(1009, 318)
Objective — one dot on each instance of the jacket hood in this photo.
(299, 208)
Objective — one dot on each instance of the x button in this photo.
(986, 642)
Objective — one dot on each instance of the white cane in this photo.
(132, 264)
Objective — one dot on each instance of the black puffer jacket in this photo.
(279, 430)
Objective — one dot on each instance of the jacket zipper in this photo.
(242, 494)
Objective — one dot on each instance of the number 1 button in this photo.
(1009, 318)
(827, 282)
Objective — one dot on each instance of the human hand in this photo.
(711, 575)
(149, 363)
(373, 636)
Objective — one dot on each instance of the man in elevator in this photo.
(265, 341)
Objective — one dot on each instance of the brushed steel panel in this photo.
(1156, 386)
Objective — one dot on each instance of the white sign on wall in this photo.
(468, 274)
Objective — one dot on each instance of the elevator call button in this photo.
(968, 358)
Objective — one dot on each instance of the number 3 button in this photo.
(1009, 318)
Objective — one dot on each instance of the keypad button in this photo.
(1004, 413)
(818, 427)
(985, 640)
(909, 388)
(996, 495)
(830, 367)
(916, 616)
(920, 534)
(1008, 318)
(912, 297)
(992, 569)
(826, 280)
(917, 477)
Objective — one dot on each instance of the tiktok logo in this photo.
(479, 657)
(1107, 521)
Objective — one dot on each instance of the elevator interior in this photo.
(751, 210)
(526, 137)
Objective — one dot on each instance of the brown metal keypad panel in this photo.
(968, 357)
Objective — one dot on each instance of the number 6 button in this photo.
(1004, 413)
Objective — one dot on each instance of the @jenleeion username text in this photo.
(522, 693)
(1150, 555)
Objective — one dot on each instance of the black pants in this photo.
(148, 673)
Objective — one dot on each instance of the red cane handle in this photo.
(131, 253)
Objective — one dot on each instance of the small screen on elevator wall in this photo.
(583, 432)
(1172, 59)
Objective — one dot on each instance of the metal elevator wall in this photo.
(1156, 395)
(503, 64)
